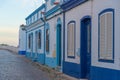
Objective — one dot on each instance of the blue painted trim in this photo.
(35, 28)
(69, 4)
(103, 12)
(52, 11)
(100, 73)
(31, 23)
(36, 11)
(22, 52)
(58, 41)
(72, 21)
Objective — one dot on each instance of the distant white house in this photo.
(22, 40)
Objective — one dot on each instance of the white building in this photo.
(22, 40)
(35, 35)
(91, 39)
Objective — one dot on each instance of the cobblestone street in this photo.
(16, 67)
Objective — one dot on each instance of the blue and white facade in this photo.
(35, 35)
(79, 37)
(91, 39)
(53, 33)
(105, 40)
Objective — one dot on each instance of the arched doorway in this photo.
(85, 41)
(58, 42)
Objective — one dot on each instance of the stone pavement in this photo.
(16, 67)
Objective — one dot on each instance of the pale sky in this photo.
(12, 15)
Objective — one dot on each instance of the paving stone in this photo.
(16, 67)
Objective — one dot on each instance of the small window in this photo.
(29, 40)
(106, 35)
(47, 40)
(71, 39)
(39, 39)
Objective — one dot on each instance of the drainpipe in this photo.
(44, 37)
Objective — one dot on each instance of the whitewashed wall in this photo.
(76, 14)
(22, 39)
(33, 30)
(98, 6)
(52, 26)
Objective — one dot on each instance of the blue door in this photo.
(85, 48)
(59, 44)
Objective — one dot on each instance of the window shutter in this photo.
(106, 36)
(71, 38)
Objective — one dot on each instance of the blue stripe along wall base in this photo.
(98, 73)
(71, 69)
(41, 58)
(51, 62)
(22, 52)
(28, 54)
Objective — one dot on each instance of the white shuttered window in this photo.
(71, 39)
(106, 36)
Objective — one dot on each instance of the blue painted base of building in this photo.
(98, 73)
(71, 69)
(41, 58)
(28, 54)
(22, 52)
(51, 62)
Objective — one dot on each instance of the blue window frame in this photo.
(106, 35)
(47, 38)
(39, 39)
(71, 39)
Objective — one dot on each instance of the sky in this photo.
(12, 15)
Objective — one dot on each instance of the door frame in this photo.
(59, 54)
(83, 57)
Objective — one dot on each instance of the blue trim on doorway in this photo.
(99, 73)
(85, 59)
(22, 52)
(58, 41)
(103, 12)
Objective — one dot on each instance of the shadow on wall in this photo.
(9, 48)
